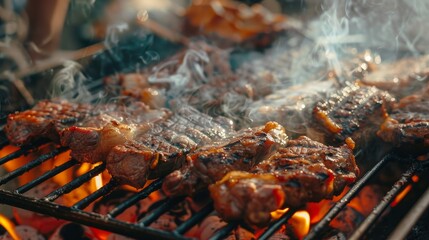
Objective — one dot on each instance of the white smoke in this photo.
(68, 83)
(189, 71)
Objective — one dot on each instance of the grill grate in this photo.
(141, 228)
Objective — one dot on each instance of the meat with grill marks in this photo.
(354, 111)
(210, 163)
(408, 124)
(45, 120)
(135, 152)
(303, 171)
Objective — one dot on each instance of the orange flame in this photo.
(98, 180)
(300, 223)
(401, 196)
(404, 192)
(9, 226)
(278, 213)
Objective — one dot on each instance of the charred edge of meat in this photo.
(408, 125)
(93, 144)
(354, 112)
(304, 171)
(210, 163)
(134, 164)
(44, 120)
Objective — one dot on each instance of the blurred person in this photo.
(46, 20)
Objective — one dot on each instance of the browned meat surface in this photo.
(408, 124)
(303, 171)
(210, 163)
(44, 120)
(149, 149)
(400, 77)
(83, 138)
(353, 111)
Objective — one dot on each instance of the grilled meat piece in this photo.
(45, 120)
(118, 124)
(210, 163)
(408, 124)
(354, 111)
(303, 171)
(401, 77)
(153, 148)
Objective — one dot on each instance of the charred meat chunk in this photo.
(303, 171)
(211, 163)
(408, 124)
(90, 139)
(353, 111)
(153, 148)
(44, 120)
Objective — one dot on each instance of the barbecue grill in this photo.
(141, 230)
(395, 222)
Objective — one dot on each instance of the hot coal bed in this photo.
(388, 198)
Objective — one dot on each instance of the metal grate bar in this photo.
(36, 162)
(404, 227)
(274, 227)
(75, 183)
(195, 219)
(225, 231)
(22, 151)
(87, 218)
(46, 176)
(320, 227)
(106, 189)
(155, 185)
(155, 214)
(387, 199)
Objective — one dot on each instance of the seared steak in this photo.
(115, 121)
(151, 147)
(210, 163)
(408, 124)
(44, 120)
(303, 171)
(354, 111)
(162, 147)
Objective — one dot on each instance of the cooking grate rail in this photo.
(399, 185)
(141, 228)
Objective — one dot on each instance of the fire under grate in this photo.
(141, 229)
